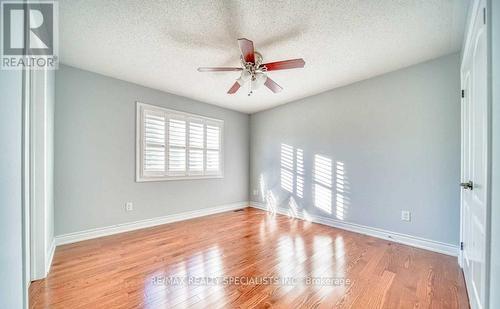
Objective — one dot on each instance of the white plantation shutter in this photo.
(173, 145)
(196, 147)
(213, 137)
(176, 146)
(213, 148)
(176, 161)
(154, 143)
(196, 161)
(177, 132)
(196, 134)
(213, 161)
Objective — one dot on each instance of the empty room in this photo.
(250, 154)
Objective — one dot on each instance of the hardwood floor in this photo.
(132, 270)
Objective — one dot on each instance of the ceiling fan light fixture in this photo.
(260, 79)
(244, 77)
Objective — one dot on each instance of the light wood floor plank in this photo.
(119, 271)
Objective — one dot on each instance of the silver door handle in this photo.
(467, 185)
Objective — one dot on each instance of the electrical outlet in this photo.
(129, 206)
(255, 192)
(405, 215)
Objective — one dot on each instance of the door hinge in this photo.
(463, 93)
(484, 16)
(462, 246)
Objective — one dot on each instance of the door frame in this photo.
(26, 183)
(26, 172)
(474, 9)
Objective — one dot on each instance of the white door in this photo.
(475, 158)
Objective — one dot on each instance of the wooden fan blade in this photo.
(217, 69)
(234, 88)
(247, 51)
(272, 85)
(285, 65)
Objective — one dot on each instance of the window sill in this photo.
(172, 178)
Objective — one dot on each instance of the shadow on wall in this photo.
(328, 191)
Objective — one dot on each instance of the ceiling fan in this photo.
(253, 70)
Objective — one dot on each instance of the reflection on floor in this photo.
(248, 258)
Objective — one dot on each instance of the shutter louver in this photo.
(196, 144)
(212, 161)
(213, 137)
(154, 142)
(196, 161)
(176, 160)
(196, 135)
(213, 149)
(177, 146)
(177, 132)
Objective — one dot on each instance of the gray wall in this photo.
(11, 252)
(95, 155)
(398, 136)
(494, 27)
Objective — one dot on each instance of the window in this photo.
(177, 145)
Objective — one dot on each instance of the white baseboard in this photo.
(50, 256)
(131, 226)
(414, 241)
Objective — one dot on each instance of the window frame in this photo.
(139, 147)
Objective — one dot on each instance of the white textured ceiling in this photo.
(160, 44)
